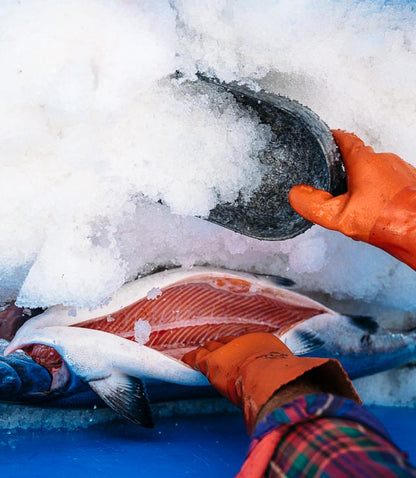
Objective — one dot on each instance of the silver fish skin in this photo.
(361, 345)
(113, 367)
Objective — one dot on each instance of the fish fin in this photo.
(305, 341)
(126, 395)
(277, 280)
(364, 322)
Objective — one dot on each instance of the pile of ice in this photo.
(106, 160)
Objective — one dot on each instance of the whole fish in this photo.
(184, 308)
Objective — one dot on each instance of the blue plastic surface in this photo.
(211, 445)
(196, 446)
(400, 423)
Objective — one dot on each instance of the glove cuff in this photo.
(395, 229)
(263, 379)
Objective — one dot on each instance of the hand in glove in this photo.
(379, 206)
(251, 369)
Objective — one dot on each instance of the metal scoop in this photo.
(301, 151)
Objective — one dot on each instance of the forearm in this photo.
(322, 434)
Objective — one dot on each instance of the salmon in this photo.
(164, 315)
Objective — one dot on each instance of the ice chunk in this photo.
(154, 293)
(142, 330)
(388, 388)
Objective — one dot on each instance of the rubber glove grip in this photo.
(250, 369)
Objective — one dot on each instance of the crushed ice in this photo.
(153, 293)
(106, 160)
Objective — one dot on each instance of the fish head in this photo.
(336, 334)
(363, 335)
(112, 366)
(361, 345)
(94, 354)
(77, 349)
(88, 354)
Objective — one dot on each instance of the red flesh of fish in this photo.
(188, 314)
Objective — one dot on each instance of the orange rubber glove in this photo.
(379, 206)
(250, 369)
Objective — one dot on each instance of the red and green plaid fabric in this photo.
(323, 436)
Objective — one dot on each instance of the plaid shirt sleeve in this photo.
(323, 435)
